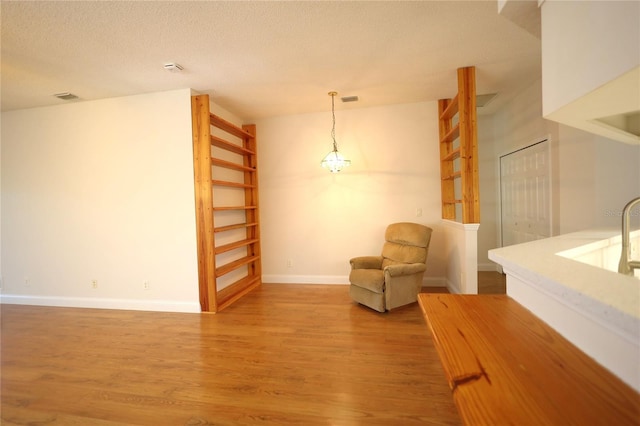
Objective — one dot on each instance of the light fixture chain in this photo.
(333, 128)
(334, 161)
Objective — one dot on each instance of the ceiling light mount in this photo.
(173, 67)
(334, 161)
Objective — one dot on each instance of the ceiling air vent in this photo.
(65, 96)
(349, 99)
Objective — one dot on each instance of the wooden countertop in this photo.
(506, 366)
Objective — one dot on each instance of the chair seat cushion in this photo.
(370, 279)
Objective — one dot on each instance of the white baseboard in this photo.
(334, 279)
(173, 306)
(100, 303)
(305, 279)
(434, 282)
(452, 287)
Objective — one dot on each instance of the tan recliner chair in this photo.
(394, 278)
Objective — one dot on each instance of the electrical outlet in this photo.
(94, 283)
(418, 212)
(146, 285)
(289, 263)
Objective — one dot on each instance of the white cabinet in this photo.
(591, 66)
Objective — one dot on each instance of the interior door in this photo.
(525, 178)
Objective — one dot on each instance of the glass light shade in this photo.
(335, 162)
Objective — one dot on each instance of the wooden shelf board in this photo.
(452, 155)
(235, 291)
(230, 165)
(452, 176)
(236, 226)
(452, 135)
(451, 110)
(226, 145)
(232, 266)
(234, 208)
(229, 127)
(231, 184)
(234, 245)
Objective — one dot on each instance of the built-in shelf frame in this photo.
(211, 298)
(463, 130)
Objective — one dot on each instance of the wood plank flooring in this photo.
(490, 282)
(284, 354)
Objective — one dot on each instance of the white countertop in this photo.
(612, 298)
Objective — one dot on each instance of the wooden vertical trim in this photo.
(446, 166)
(251, 198)
(201, 130)
(468, 145)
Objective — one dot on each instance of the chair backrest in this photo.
(406, 242)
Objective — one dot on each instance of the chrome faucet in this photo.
(626, 265)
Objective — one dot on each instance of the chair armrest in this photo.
(366, 262)
(405, 269)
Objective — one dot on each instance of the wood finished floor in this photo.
(490, 282)
(284, 354)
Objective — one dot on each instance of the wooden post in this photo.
(204, 201)
(468, 145)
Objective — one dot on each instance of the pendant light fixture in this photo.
(334, 161)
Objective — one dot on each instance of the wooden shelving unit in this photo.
(458, 141)
(239, 240)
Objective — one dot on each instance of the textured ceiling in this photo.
(261, 59)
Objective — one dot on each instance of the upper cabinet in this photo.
(591, 66)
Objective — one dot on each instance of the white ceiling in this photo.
(261, 59)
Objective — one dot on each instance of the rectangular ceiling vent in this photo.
(349, 99)
(65, 96)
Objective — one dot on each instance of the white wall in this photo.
(100, 190)
(516, 125)
(519, 123)
(488, 175)
(103, 190)
(319, 220)
(1, 275)
(461, 252)
(618, 181)
(584, 45)
(597, 178)
(592, 176)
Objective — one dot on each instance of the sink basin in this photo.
(605, 253)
